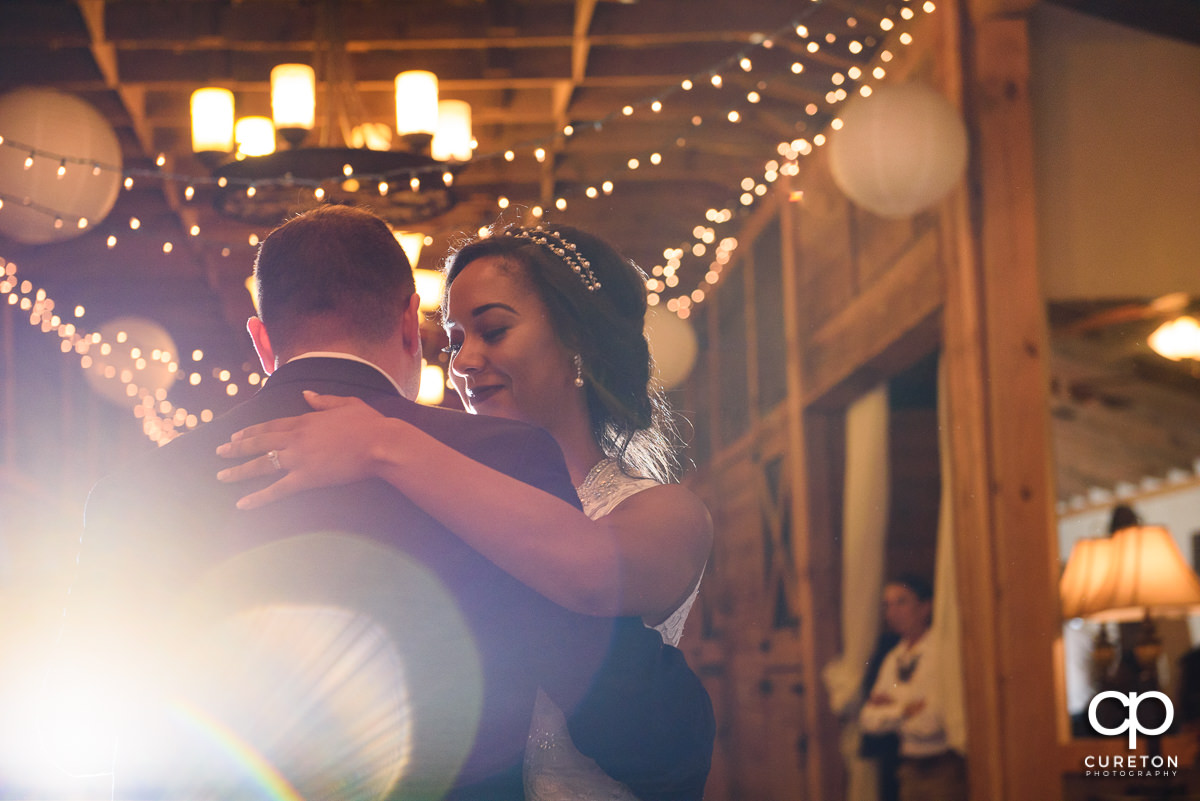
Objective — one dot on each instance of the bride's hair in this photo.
(600, 317)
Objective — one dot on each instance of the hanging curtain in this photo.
(945, 627)
(864, 533)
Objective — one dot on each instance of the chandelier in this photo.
(405, 177)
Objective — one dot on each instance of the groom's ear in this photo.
(262, 343)
(410, 325)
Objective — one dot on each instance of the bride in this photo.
(546, 327)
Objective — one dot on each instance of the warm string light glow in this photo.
(742, 61)
(161, 421)
(681, 302)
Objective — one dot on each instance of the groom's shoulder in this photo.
(458, 428)
(518, 449)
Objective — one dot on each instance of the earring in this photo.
(578, 370)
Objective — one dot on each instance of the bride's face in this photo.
(506, 360)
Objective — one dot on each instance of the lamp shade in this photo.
(452, 140)
(293, 96)
(1148, 577)
(411, 242)
(1087, 570)
(372, 136)
(899, 150)
(255, 136)
(432, 390)
(416, 103)
(212, 120)
(1177, 339)
(429, 286)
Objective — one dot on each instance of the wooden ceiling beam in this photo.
(409, 27)
(633, 40)
(447, 86)
(563, 94)
(133, 98)
(674, 62)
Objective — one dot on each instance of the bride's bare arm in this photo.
(642, 559)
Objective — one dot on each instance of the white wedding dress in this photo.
(554, 769)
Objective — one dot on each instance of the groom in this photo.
(345, 637)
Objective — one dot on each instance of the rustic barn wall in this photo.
(864, 299)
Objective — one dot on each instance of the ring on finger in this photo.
(273, 458)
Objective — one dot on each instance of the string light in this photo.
(789, 151)
(160, 429)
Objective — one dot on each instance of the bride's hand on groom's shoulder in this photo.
(326, 447)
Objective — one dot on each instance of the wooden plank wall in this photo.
(824, 302)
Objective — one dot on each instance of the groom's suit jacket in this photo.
(166, 536)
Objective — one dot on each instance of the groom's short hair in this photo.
(333, 271)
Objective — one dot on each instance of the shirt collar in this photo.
(327, 354)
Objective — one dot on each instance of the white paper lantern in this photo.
(899, 151)
(673, 347)
(53, 122)
(111, 374)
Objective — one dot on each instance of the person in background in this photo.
(906, 698)
(883, 748)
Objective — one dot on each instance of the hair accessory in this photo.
(578, 370)
(564, 249)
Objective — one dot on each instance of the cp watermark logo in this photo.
(1132, 722)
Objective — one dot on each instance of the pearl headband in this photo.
(564, 249)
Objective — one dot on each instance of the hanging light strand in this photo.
(162, 421)
(704, 236)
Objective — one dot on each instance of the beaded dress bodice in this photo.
(554, 769)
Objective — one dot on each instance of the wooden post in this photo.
(995, 352)
(814, 554)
